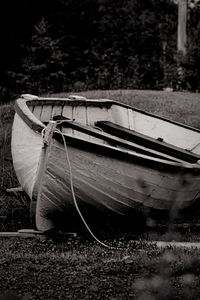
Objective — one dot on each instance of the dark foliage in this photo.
(42, 66)
(60, 45)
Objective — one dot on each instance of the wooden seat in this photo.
(113, 140)
(148, 142)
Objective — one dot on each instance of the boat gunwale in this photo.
(101, 102)
(22, 109)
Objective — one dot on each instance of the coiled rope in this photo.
(75, 200)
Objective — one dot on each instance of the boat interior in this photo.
(115, 124)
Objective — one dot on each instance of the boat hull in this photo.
(100, 170)
(108, 184)
(26, 147)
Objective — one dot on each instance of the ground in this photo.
(81, 269)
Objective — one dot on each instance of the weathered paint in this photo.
(46, 113)
(37, 111)
(106, 183)
(169, 132)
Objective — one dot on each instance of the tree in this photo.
(43, 65)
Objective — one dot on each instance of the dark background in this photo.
(64, 45)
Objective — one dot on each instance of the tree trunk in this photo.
(182, 26)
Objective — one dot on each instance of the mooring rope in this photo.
(75, 200)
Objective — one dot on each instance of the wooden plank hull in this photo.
(109, 185)
(103, 175)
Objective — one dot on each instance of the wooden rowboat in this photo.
(104, 154)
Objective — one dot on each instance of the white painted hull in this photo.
(105, 177)
(26, 148)
(108, 184)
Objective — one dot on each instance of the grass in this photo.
(81, 269)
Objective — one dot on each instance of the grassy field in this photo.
(81, 269)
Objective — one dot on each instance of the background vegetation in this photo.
(64, 45)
